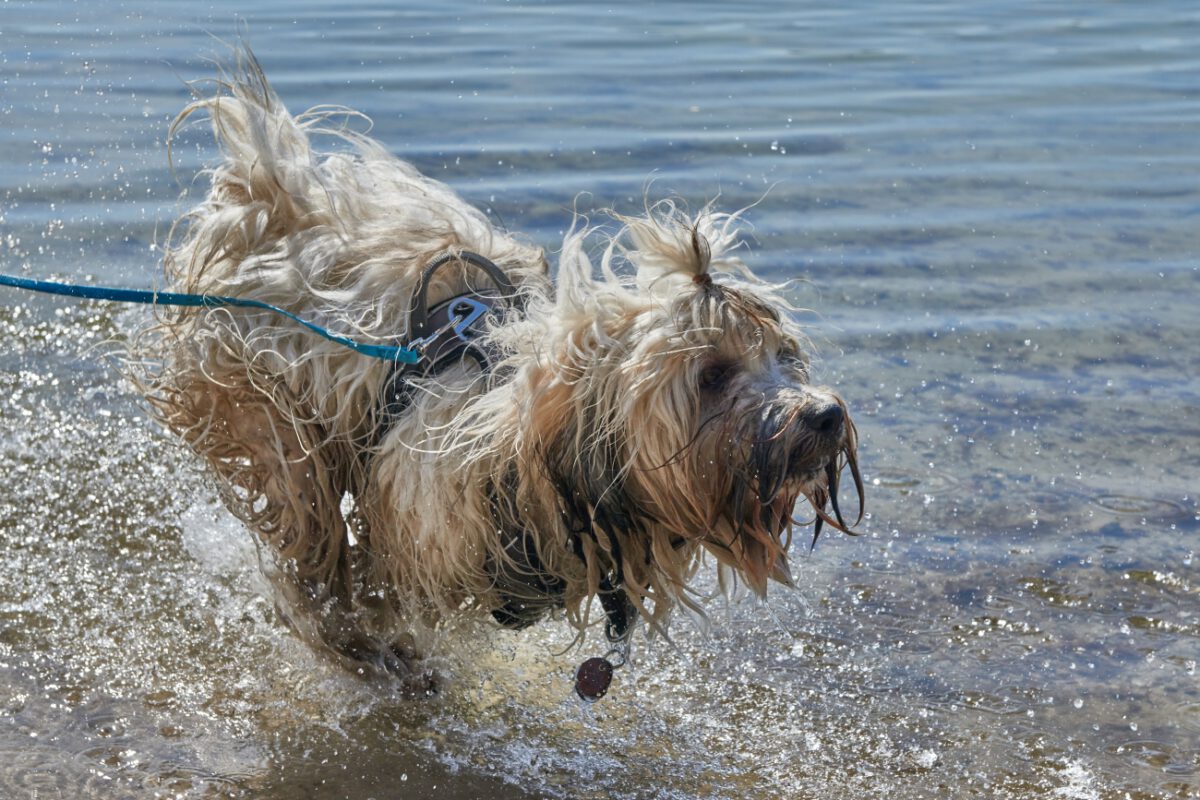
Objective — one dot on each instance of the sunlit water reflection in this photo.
(996, 211)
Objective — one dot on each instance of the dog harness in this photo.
(443, 336)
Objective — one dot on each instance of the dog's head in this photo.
(673, 411)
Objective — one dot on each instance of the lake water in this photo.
(996, 207)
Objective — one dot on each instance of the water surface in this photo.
(995, 209)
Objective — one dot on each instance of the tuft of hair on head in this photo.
(669, 244)
(664, 255)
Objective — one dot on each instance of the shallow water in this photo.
(996, 210)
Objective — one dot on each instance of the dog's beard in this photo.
(781, 461)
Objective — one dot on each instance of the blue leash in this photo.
(385, 352)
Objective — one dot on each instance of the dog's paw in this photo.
(415, 678)
(397, 663)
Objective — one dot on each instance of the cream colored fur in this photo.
(640, 413)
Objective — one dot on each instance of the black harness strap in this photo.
(617, 608)
(419, 321)
(619, 612)
(443, 335)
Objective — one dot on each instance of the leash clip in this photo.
(464, 312)
(471, 310)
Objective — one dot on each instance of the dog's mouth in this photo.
(813, 470)
(821, 491)
(819, 481)
(761, 507)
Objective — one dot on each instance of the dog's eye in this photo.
(793, 359)
(715, 376)
(798, 364)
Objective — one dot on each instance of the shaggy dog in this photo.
(630, 416)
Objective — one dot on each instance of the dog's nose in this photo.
(825, 420)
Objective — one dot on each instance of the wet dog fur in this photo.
(648, 403)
